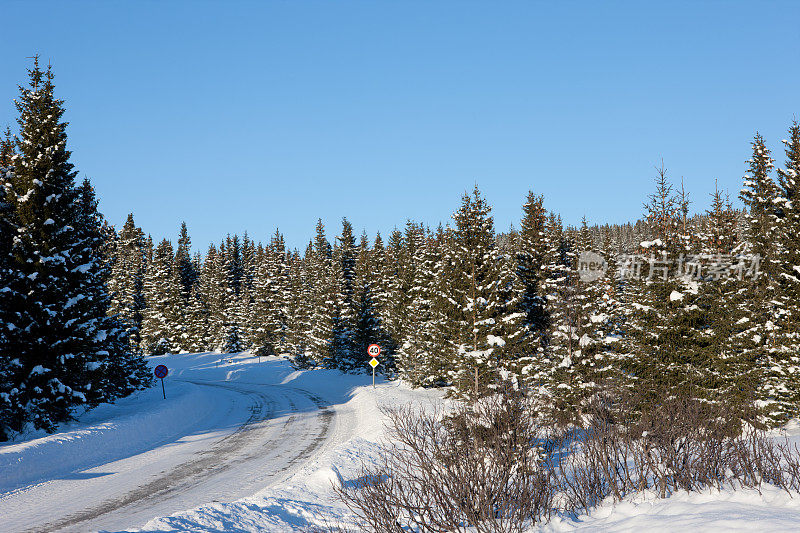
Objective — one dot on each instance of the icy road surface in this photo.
(215, 439)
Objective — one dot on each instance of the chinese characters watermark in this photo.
(692, 267)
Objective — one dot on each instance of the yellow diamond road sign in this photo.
(373, 363)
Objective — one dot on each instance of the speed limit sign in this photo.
(373, 350)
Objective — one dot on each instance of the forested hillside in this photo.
(704, 303)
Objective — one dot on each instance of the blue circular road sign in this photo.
(161, 371)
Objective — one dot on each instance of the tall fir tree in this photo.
(767, 311)
(343, 348)
(474, 288)
(183, 263)
(12, 304)
(162, 325)
(321, 279)
(126, 283)
(788, 253)
(531, 252)
(71, 353)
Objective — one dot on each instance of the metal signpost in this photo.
(161, 372)
(374, 351)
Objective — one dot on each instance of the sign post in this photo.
(161, 372)
(374, 351)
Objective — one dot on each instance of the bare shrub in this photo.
(485, 466)
(679, 444)
(493, 465)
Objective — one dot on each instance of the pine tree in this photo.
(126, 284)
(768, 312)
(345, 316)
(426, 355)
(474, 288)
(321, 279)
(183, 263)
(788, 253)
(377, 274)
(12, 304)
(367, 320)
(71, 353)
(530, 258)
(162, 324)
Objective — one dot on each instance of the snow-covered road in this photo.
(246, 436)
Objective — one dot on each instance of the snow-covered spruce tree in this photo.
(580, 322)
(186, 273)
(343, 348)
(162, 323)
(301, 305)
(320, 275)
(246, 291)
(647, 279)
(530, 256)
(723, 357)
(426, 355)
(236, 271)
(12, 305)
(72, 354)
(767, 305)
(126, 284)
(183, 263)
(376, 272)
(122, 369)
(368, 322)
(473, 285)
(562, 372)
(396, 294)
(272, 287)
(281, 293)
(197, 312)
(788, 252)
(759, 194)
(263, 343)
(218, 294)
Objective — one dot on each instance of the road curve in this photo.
(279, 429)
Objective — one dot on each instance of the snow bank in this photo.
(305, 500)
(743, 510)
(108, 433)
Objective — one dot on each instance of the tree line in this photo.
(465, 307)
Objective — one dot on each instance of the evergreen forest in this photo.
(699, 303)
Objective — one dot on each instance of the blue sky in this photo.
(255, 115)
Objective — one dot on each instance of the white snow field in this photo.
(242, 445)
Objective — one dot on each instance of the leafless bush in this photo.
(680, 444)
(494, 466)
(484, 466)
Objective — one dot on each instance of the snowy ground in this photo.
(243, 445)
